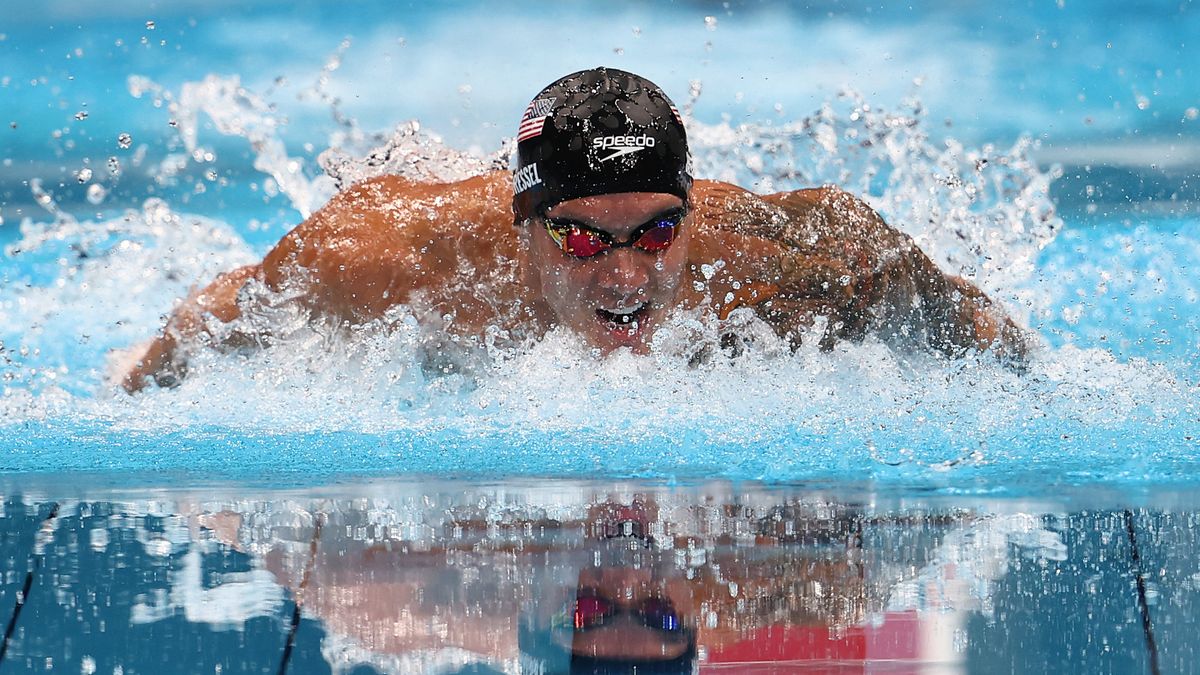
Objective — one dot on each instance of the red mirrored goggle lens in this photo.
(591, 612)
(584, 243)
(658, 237)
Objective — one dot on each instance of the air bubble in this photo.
(114, 166)
(81, 115)
(710, 22)
(83, 175)
(149, 25)
(1191, 113)
(96, 193)
(124, 141)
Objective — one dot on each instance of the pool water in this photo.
(326, 506)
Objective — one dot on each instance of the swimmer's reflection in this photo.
(628, 611)
(611, 588)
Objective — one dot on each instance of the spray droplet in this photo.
(40, 196)
(114, 166)
(211, 174)
(81, 115)
(710, 22)
(83, 175)
(124, 140)
(637, 31)
(96, 193)
(1190, 113)
(1143, 102)
(173, 123)
(618, 51)
(149, 25)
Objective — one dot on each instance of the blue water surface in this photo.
(1105, 91)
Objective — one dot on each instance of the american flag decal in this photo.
(534, 118)
(678, 118)
(530, 128)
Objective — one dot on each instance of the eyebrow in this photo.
(576, 222)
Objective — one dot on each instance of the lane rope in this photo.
(300, 592)
(1147, 626)
(43, 537)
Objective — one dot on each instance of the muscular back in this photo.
(390, 241)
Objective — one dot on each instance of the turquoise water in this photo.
(958, 517)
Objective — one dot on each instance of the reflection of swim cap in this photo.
(594, 132)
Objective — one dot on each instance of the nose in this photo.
(626, 270)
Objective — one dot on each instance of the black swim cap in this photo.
(595, 132)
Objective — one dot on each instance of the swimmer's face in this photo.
(619, 297)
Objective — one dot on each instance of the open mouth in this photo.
(625, 317)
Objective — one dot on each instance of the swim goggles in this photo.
(593, 610)
(583, 241)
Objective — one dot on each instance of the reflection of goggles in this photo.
(593, 610)
(634, 528)
(582, 241)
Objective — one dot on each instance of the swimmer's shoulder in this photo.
(729, 196)
(395, 210)
(386, 225)
(728, 208)
(393, 196)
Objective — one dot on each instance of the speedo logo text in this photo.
(621, 145)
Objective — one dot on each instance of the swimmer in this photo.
(601, 230)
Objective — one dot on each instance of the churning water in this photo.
(327, 506)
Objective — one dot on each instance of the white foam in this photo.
(108, 284)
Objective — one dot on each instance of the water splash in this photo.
(236, 111)
(983, 213)
(410, 152)
(88, 287)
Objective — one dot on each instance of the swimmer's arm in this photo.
(961, 318)
(907, 296)
(162, 362)
(869, 277)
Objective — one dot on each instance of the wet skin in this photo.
(615, 298)
(453, 255)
